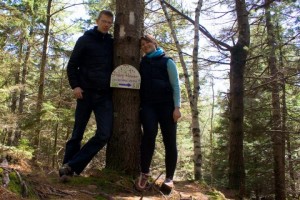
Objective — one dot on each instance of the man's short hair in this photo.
(105, 12)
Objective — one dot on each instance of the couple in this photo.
(89, 70)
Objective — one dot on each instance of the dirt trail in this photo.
(45, 184)
(184, 190)
(52, 188)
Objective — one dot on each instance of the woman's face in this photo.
(147, 46)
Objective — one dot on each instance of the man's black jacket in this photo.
(90, 65)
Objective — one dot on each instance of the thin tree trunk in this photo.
(4, 136)
(123, 148)
(195, 114)
(54, 148)
(55, 145)
(24, 72)
(13, 131)
(18, 131)
(277, 133)
(211, 133)
(17, 80)
(40, 97)
(192, 94)
(290, 161)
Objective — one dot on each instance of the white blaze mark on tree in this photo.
(122, 31)
(131, 18)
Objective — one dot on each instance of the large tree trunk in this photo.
(236, 159)
(278, 138)
(237, 65)
(123, 148)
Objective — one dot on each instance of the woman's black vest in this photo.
(155, 84)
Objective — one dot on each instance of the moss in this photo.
(100, 198)
(104, 179)
(211, 192)
(215, 195)
(14, 184)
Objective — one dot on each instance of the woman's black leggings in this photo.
(153, 114)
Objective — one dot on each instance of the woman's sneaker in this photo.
(167, 186)
(65, 173)
(141, 183)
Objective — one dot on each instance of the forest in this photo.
(239, 70)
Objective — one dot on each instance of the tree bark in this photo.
(284, 112)
(56, 130)
(123, 148)
(192, 93)
(194, 105)
(239, 53)
(13, 130)
(236, 134)
(40, 97)
(25, 71)
(17, 80)
(291, 170)
(211, 135)
(278, 137)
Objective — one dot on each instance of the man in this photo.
(89, 70)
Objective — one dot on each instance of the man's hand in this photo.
(176, 114)
(78, 93)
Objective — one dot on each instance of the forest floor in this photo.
(36, 183)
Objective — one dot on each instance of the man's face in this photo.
(104, 23)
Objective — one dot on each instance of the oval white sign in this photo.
(125, 76)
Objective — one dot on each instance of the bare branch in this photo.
(64, 8)
(220, 44)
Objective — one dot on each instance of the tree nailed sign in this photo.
(125, 76)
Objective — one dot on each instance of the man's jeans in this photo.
(101, 104)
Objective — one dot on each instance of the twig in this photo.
(24, 188)
(152, 185)
(106, 196)
(6, 171)
(88, 192)
(5, 178)
(127, 189)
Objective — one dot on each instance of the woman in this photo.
(160, 104)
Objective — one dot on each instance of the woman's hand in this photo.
(176, 114)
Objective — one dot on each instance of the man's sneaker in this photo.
(167, 186)
(141, 183)
(65, 173)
